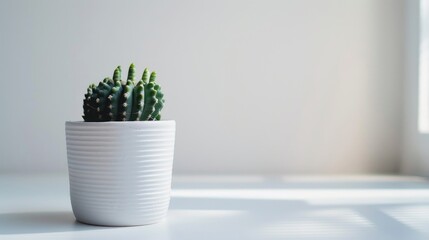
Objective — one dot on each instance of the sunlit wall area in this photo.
(255, 86)
(415, 151)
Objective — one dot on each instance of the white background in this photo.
(415, 149)
(255, 86)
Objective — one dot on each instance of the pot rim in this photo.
(121, 122)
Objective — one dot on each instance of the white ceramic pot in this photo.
(120, 172)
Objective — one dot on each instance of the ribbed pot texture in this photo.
(120, 172)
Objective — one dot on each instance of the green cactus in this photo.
(125, 101)
(145, 75)
(138, 101)
(131, 72)
(113, 101)
(117, 74)
(116, 100)
(159, 103)
(89, 110)
(149, 101)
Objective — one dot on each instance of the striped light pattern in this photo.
(120, 172)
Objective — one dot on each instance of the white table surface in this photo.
(234, 207)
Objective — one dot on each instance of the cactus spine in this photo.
(114, 99)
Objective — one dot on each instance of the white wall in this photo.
(255, 86)
(415, 155)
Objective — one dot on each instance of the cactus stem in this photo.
(145, 75)
(131, 72)
(152, 77)
(117, 74)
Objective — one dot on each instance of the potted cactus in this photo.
(120, 157)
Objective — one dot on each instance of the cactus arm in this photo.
(95, 101)
(145, 76)
(117, 74)
(131, 72)
(103, 91)
(89, 110)
(109, 81)
(89, 91)
(126, 101)
(152, 77)
(113, 101)
(93, 105)
(153, 102)
(137, 101)
(159, 103)
(149, 101)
